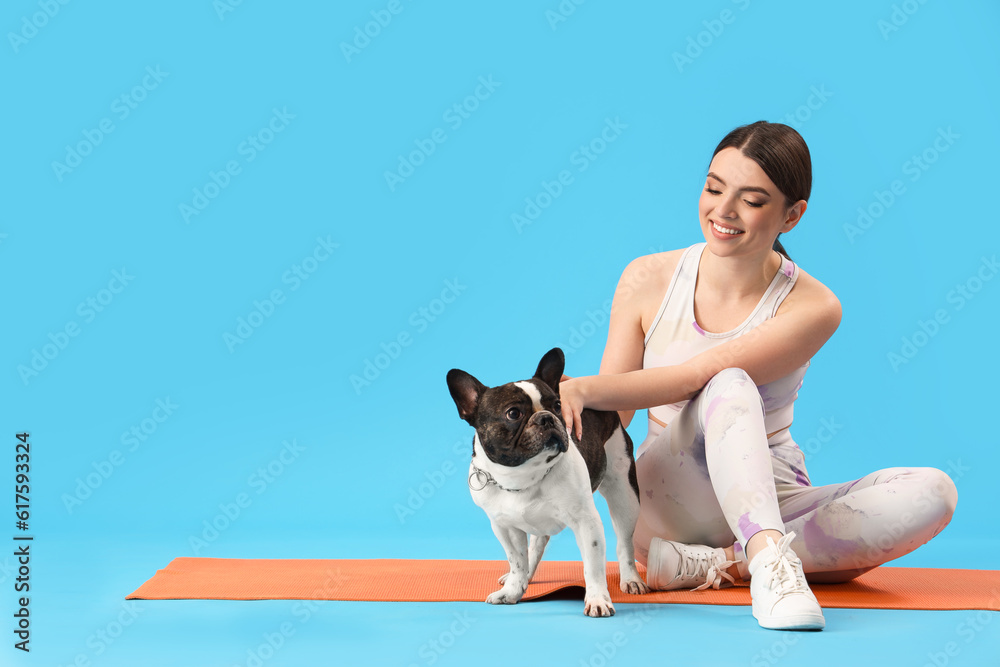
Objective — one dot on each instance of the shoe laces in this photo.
(784, 572)
(706, 565)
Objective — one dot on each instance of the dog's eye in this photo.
(558, 405)
(513, 414)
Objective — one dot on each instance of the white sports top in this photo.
(675, 337)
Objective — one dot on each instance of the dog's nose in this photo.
(546, 419)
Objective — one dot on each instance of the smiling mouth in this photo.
(725, 230)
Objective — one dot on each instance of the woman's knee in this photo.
(729, 376)
(939, 495)
(931, 493)
(730, 387)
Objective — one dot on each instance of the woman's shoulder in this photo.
(809, 292)
(644, 282)
(649, 274)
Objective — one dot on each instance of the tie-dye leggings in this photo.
(713, 477)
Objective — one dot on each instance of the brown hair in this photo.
(783, 155)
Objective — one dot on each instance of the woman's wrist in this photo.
(586, 389)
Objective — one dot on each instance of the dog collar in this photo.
(485, 479)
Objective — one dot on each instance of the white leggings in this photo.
(712, 477)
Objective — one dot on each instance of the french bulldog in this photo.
(533, 478)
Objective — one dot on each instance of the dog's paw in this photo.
(598, 606)
(504, 596)
(635, 586)
(502, 579)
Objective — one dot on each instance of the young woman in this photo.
(714, 340)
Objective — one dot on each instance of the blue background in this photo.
(368, 451)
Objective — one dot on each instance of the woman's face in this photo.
(740, 197)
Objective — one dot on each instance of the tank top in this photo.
(675, 336)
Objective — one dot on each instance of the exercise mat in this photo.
(403, 580)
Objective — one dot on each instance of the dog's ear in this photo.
(550, 368)
(465, 390)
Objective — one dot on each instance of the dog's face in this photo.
(517, 421)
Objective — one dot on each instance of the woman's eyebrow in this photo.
(749, 188)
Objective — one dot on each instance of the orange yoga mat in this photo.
(400, 580)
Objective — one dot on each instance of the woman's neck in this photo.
(737, 277)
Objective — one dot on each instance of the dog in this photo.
(533, 478)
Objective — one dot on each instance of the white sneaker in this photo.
(673, 565)
(779, 592)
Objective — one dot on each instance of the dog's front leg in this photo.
(515, 582)
(536, 547)
(589, 534)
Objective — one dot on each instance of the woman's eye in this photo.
(513, 413)
(750, 203)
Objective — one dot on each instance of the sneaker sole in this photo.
(800, 622)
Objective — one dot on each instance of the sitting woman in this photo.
(714, 339)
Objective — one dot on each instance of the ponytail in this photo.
(777, 246)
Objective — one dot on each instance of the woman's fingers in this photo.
(567, 413)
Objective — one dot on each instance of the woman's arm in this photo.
(625, 346)
(642, 279)
(768, 352)
(634, 390)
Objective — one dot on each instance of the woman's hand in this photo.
(571, 396)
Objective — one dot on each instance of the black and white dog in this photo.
(533, 478)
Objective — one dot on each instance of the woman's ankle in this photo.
(758, 541)
(738, 571)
